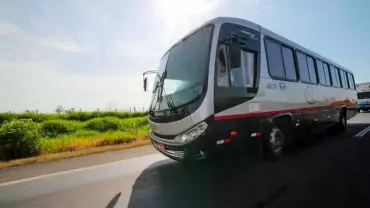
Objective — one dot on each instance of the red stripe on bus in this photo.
(267, 113)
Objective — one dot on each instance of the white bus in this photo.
(232, 80)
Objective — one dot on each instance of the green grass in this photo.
(61, 135)
(53, 128)
(129, 130)
(133, 122)
(75, 116)
(83, 140)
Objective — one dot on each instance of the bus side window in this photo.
(320, 71)
(327, 74)
(334, 77)
(222, 72)
(344, 79)
(338, 78)
(350, 80)
(303, 67)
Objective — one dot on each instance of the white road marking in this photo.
(363, 132)
(73, 170)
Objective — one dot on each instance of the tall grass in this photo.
(60, 134)
(53, 128)
(76, 142)
(133, 123)
(103, 124)
(75, 116)
(84, 116)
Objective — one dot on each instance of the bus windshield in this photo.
(363, 95)
(183, 71)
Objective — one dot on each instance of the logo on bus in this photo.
(309, 95)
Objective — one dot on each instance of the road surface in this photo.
(329, 171)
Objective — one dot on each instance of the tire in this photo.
(341, 126)
(274, 143)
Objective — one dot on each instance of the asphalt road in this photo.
(328, 171)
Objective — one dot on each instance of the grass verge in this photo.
(142, 141)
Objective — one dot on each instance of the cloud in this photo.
(130, 49)
(6, 28)
(180, 17)
(63, 44)
(16, 35)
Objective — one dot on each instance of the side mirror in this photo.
(146, 78)
(234, 55)
(145, 83)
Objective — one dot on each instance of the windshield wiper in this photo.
(170, 102)
(158, 85)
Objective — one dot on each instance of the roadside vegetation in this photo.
(32, 134)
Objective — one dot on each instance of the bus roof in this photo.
(274, 35)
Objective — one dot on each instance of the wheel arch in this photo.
(287, 117)
(343, 109)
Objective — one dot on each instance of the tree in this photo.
(71, 110)
(59, 109)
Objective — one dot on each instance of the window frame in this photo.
(354, 82)
(350, 76)
(254, 84)
(226, 67)
(306, 54)
(297, 70)
(339, 77)
(323, 63)
(281, 44)
(317, 69)
(335, 68)
(341, 71)
(294, 62)
(329, 73)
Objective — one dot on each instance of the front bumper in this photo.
(178, 151)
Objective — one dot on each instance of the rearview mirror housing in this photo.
(145, 80)
(145, 83)
(234, 54)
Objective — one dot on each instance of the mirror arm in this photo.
(150, 72)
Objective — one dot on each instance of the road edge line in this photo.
(363, 132)
(67, 172)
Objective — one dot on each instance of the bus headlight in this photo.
(193, 133)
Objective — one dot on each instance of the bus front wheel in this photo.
(274, 143)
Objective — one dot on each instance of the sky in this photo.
(89, 54)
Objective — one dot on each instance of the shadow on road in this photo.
(114, 201)
(319, 174)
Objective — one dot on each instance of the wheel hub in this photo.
(275, 141)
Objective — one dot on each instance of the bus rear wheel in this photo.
(342, 124)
